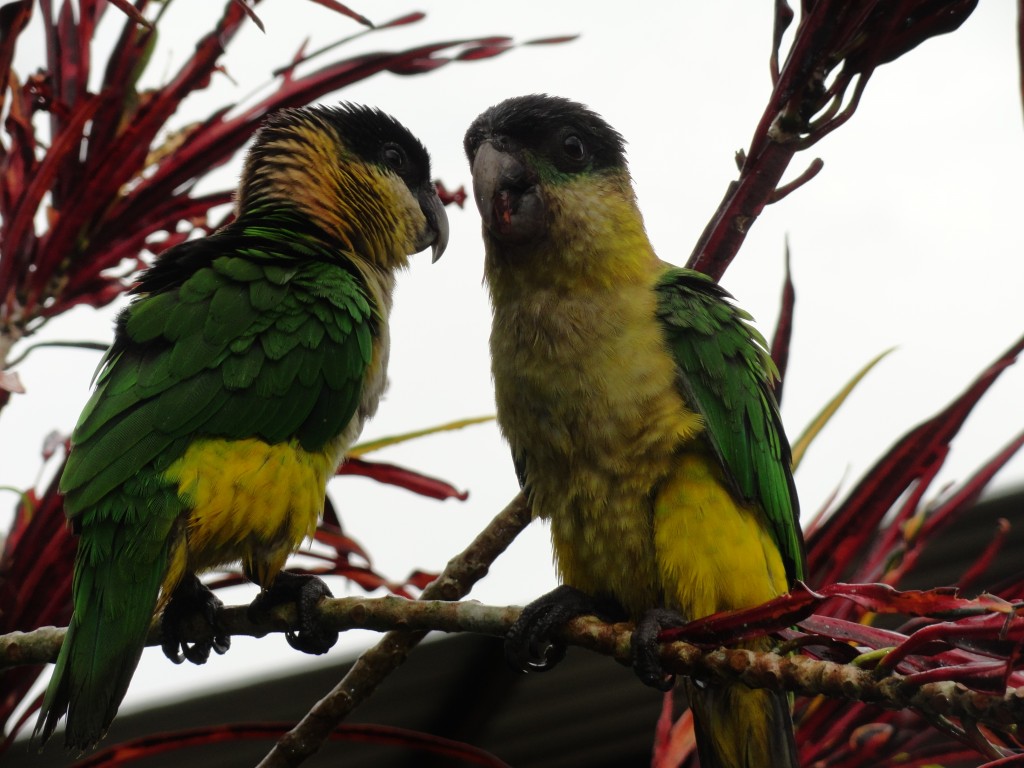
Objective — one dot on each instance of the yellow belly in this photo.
(713, 554)
(249, 501)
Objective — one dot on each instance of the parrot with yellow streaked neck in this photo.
(241, 371)
(637, 401)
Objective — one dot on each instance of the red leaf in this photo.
(418, 66)
(784, 329)
(851, 631)
(984, 560)
(119, 153)
(409, 18)
(979, 676)
(126, 7)
(17, 231)
(339, 542)
(458, 197)
(968, 493)
(732, 626)
(251, 14)
(552, 40)
(346, 11)
(420, 579)
(403, 478)
(796, 607)
(843, 536)
(479, 52)
(14, 17)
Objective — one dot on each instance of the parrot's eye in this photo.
(573, 148)
(393, 157)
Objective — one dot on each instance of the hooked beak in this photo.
(436, 232)
(507, 194)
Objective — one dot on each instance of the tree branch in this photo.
(374, 665)
(414, 618)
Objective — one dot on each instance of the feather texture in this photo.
(726, 374)
(637, 402)
(244, 366)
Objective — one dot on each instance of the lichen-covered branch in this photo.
(373, 666)
(414, 618)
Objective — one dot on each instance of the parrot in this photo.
(637, 401)
(243, 367)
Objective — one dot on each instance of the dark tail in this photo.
(740, 727)
(114, 602)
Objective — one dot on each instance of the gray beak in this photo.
(436, 233)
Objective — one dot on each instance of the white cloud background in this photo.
(910, 237)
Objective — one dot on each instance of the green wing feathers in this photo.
(118, 571)
(249, 344)
(238, 349)
(726, 374)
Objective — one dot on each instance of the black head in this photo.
(355, 171)
(368, 133)
(568, 135)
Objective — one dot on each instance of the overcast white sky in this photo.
(910, 237)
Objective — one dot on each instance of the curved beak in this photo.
(436, 232)
(507, 193)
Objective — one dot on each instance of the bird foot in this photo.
(529, 645)
(646, 650)
(190, 601)
(305, 591)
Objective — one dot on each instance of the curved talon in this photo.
(306, 592)
(190, 599)
(646, 650)
(529, 646)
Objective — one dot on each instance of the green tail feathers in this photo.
(740, 727)
(114, 603)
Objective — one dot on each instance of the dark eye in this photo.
(393, 156)
(573, 148)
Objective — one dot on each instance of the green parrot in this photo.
(637, 401)
(241, 371)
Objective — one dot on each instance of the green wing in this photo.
(249, 344)
(726, 374)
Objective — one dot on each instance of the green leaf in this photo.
(361, 449)
(818, 423)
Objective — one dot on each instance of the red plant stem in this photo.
(1020, 46)
(784, 329)
(984, 560)
(742, 204)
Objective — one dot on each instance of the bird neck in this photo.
(595, 241)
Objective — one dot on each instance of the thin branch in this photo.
(812, 170)
(415, 618)
(374, 665)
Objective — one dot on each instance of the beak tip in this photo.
(440, 244)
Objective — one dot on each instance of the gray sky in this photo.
(910, 237)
